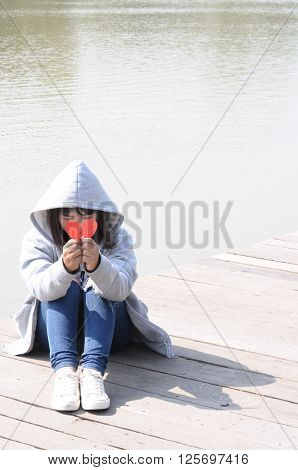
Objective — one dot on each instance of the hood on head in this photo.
(75, 186)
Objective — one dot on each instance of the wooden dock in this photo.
(233, 320)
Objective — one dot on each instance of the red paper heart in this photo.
(77, 231)
(89, 228)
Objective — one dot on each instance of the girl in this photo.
(81, 299)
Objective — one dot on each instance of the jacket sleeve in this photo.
(115, 275)
(46, 280)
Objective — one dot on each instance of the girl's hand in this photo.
(72, 254)
(90, 253)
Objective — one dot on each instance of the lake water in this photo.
(166, 101)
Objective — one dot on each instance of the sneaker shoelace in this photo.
(67, 383)
(94, 383)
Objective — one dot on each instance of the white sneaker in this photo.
(66, 393)
(93, 395)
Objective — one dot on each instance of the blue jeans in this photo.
(85, 323)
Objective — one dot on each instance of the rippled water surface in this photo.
(166, 101)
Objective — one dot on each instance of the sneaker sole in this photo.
(96, 406)
(66, 407)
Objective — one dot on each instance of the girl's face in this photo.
(68, 213)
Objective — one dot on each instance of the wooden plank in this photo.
(291, 237)
(7, 326)
(260, 272)
(259, 262)
(45, 438)
(256, 304)
(157, 407)
(225, 436)
(233, 278)
(224, 357)
(208, 374)
(236, 276)
(242, 320)
(266, 252)
(118, 433)
(15, 445)
(289, 245)
(260, 302)
(241, 380)
(196, 351)
(229, 374)
(246, 299)
(73, 429)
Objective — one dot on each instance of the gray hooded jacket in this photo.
(43, 271)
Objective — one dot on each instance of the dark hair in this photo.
(105, 230)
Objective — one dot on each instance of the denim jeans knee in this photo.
(82, 323)
(57, 326)
(99, 324)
